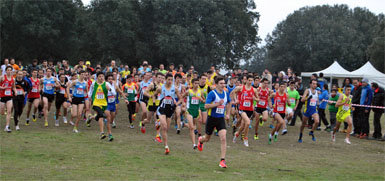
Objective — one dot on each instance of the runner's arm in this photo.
(339, 102)
(304, 96)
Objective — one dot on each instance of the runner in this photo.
(153, 103)
(130, 91)
(217, 102)
(98, 94)
(194, 97)
(310, 97)
(293, 97)
(344, 105)
(111, 103)
(205, 89)
(280, 101)
(47, 84)
(87, 102)
(261, 106)
(118, 85)
(77, 99)
(61, 99)
(179, 102)
(143, 100)
(7, 85)
(33, 97)
(167, 96)
(22, 88)
(246, 95)
(230, 87)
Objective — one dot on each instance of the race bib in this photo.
(167, 100)
(346, 107)
(48, 87)
(100, 95)
(246, 104)
(313, 102)
(220, 109)
(80, 91)
(34, 89)
(62, 90)
(130, 91)
(19, 92)
(262, 103)
(8, 92)
(194, 100)
(292, 101)
(111, 99)
(280, 108)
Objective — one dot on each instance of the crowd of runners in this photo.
(207, 103)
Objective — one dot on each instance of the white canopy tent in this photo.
(335, 71)
(371, 73)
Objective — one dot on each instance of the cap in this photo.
(88, 63)
(365, 80)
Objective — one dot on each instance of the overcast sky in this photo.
(274, 11)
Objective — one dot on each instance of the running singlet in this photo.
(344, 110)
(215, 97)
(21, 87)
(34, 92)
(246, 99)
(80, 88)
(280, 103)
(193, 99)
(49, 85)
(167, 97)
(111, 98)
(263, 97)
(230, 89)
(99, 94)
(130, 89)
(143, 87)
(7, 92)
(311, 105)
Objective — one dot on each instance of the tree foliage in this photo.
(311, 38)
(199, 32)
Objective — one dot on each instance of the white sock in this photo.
(276, 133)
(270, 135)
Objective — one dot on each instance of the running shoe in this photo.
(271, 126)
(200, 144)
(65, 120)
(27, 122)
(312, 136)
(261, 121)
(256, 137)
(110, 137)
(46, 124)
(195, 147)
(235, 137)
(347, 141)
(178, 131)
(222, 164)
(33, 118)
(132, 126)
(284, 131)
(133, 117)
(7, 129)
(275, 137)
(333, 137)
(72, 123)
(143, 129)
(158, 139)
(56, 123)
(102, 136)
(167, 150)
(75, 130)
(300, 138)
(17, 128)
(269, 139)
(195, 131)
(246, 142)
(113, 124)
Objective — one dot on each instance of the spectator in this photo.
(356, 110)
(14, 65)
(366, 99)
(332, 108)
(323, 98)
(4, 66)
(125, 72)
(378, 100)
(67, 68)
(33, 66)
(171, 69)
(297, 112)
(321, 80)
(348, 81)
(20, 65)
(121, 68)
(88, 67)
(162, 70)
(180, 70)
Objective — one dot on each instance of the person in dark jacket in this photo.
(356, 110)
(378, 100)
(366, 99)
(33, 66)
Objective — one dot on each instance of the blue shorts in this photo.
(111, 107)
(310, 112)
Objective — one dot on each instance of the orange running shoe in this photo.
(143, 129)
(167, 150)
(200, 144)
(222, 164)
(157, 138)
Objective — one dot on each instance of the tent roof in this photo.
(334, 70)
(371, 73)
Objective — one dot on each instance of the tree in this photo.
(376, 49)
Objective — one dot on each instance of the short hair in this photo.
(82, 71)
(168, 75)
(374, 85)
(321, 74)
(159, 74)
(99, 73)
(311, 81)
(264, 79)
(209, 72)
(178, 76)
(9, 67)
(194, 80)
(250, 77)
(110, 75)
(326, 87)
(292, 82)
(218, 78)
(334, 90)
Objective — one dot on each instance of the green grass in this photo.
(37, 153)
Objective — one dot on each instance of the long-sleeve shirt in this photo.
(366, 96)
(324, 96)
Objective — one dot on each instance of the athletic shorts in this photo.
(309, 113)
(32, 99)
(50, 97)
(342, 117)
(60, 99)
(281, 114)
(260, 110)
(289, 110)
(99, 112)
(202, 107)
(6, 99)
(248, 113)
(193, 112)
(117, 100)
(111, 107)
(152, 108)
(213, 122)
(77, 100)
(165, 111)
(144, 100)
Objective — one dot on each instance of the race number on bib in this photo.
(262, 103)
(62, 90)
(80, 91)
(280, 108)
(292, 101)
(111, 99)
(34, 89)
(167, 100)
(346, 107)
(19, 92)
(48, 87)
(100, 95)
(194, 100)
(7, 92)
(220, 109)
(130, 91)
(246, 104)
(313, 102)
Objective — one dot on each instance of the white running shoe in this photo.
(56, 123)
(7, 129)
(246, 142)
(65, 120)
(347, 141)
(333, 137)
(17, 128)
(235, 138)
(75, 130)
(72, 123)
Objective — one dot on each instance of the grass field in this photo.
(55, 153)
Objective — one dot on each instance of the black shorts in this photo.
(77, 100)
(60, 99)
(6, 99)
(32, 99)
(259, 110)
(248, 113)
(281, 114)
(166, 111)
(144, 99)
(213, 122)
(152, 108)
(50, 97)
(99, 112)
